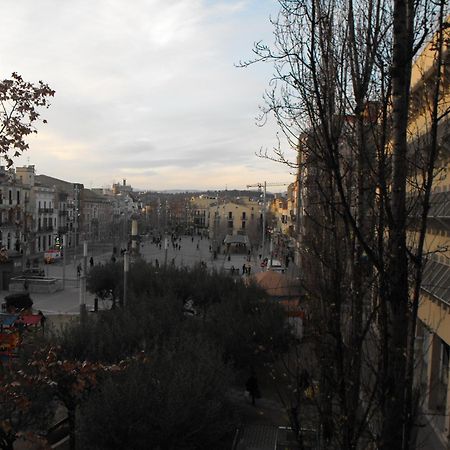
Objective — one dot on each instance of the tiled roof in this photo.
(277, 284)
(47, 181)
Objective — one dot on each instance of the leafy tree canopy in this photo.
(19, 101)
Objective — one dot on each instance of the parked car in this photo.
(19, 301)
(275, 266)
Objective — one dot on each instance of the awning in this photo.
(30, 319)
(236, 239)
(7, 320)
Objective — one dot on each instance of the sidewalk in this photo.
(262, 424)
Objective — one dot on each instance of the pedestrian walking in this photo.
(91, 261)
(252, 387)
(244, 269)
(43, 319)
(79, 269)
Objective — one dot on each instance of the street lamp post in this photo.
(126, 268)
(64, 244)
(166, 248)
(83, 285)
(264, 222)
(76, 222)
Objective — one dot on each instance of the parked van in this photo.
(275, 266)
(52, 255)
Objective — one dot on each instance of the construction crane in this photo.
(264, 187)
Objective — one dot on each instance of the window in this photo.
(10, 197)
(443, 372)
(243, 215)
(39, 243)
(18, 197)
(243, 224)
(39, 204)
(49, 240)
(230, 215)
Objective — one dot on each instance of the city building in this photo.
(15, 213)
(433, 327)
(96, 213)
(202, 208)
(66, 204)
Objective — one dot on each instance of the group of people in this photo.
(80, 267)
(245, 270)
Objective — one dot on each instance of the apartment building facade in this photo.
(15, 215)
(433, 327)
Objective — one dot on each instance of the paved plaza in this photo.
(188, 252)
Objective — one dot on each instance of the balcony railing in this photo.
(7, 224)
(45, 210)
(63, 212)
(439, 206)
(45, 228)
(436, 280)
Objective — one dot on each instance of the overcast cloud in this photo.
(145, 90)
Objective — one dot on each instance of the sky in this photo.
(146, 90)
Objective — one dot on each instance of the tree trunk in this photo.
(7, 442)
(71, 421)
(397, 297)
